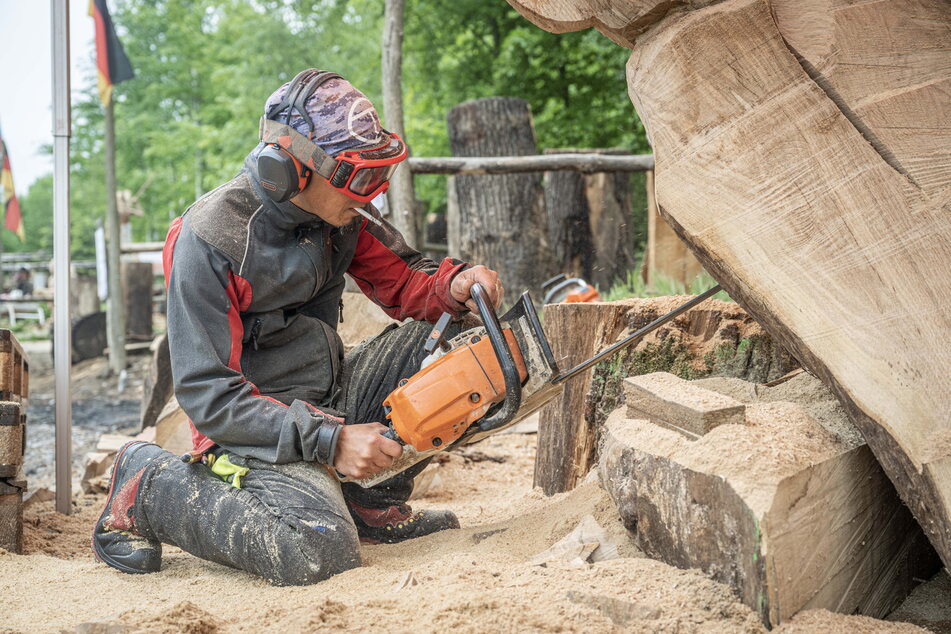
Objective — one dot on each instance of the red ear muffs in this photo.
(282, 176)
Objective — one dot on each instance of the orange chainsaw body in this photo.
(439, 403)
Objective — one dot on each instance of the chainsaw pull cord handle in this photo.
(513, 383)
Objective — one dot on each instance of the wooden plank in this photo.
(666, 399)
(816, 194)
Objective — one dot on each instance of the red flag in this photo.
(13, 219)
(111, 60)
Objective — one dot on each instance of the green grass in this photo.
(635, 286)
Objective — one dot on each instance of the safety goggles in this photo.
(365, 174)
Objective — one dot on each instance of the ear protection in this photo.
(281, 173)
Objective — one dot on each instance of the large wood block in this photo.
(666, 399)
(802, 151)
(779, 509)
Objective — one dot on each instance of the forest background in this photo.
(205, 67)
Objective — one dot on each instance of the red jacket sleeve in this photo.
(401, 280)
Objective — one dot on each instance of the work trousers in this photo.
(288, 523)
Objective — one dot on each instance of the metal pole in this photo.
(115, 314)
(61, 326)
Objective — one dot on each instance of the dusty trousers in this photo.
(287, 523)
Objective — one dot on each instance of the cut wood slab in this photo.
(778, 508)
(669, 401)
(802, 152)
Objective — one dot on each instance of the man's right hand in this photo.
(362, 450)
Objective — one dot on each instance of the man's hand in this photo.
(362, 451)
(462, 283)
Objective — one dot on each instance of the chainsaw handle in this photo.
(513, 383)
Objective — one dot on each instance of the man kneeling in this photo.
(254, 271)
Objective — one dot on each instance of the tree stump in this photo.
(137, 297)
(715, 338)
(501, 217)
(804, 153)
(569, 223)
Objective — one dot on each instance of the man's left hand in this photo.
(461, 286)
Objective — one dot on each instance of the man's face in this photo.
(322, 200)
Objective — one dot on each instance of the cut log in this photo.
(501, 217)
(806, 159)
(785, 511)
(89, 337)
(715, 338)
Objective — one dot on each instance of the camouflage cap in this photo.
(343, 117)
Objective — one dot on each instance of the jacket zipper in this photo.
(255, 331)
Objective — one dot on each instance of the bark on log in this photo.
(716, 338)
(584, 162)
(805, 157)
(501, 217)
(589, 221)
(569, 223)
(137, 296)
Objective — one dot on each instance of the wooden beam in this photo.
(585, 163)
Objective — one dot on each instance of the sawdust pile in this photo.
(474, 579)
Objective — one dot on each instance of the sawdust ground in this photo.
(473, 579)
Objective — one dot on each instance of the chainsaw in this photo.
(483, 380)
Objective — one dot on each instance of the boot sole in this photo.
(96, 549)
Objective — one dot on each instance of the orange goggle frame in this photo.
(365, 174)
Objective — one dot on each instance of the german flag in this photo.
(111, 60)
(13, 219)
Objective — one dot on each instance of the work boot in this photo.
(398, 523)
(117, 539)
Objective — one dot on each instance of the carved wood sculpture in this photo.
(803, 151)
